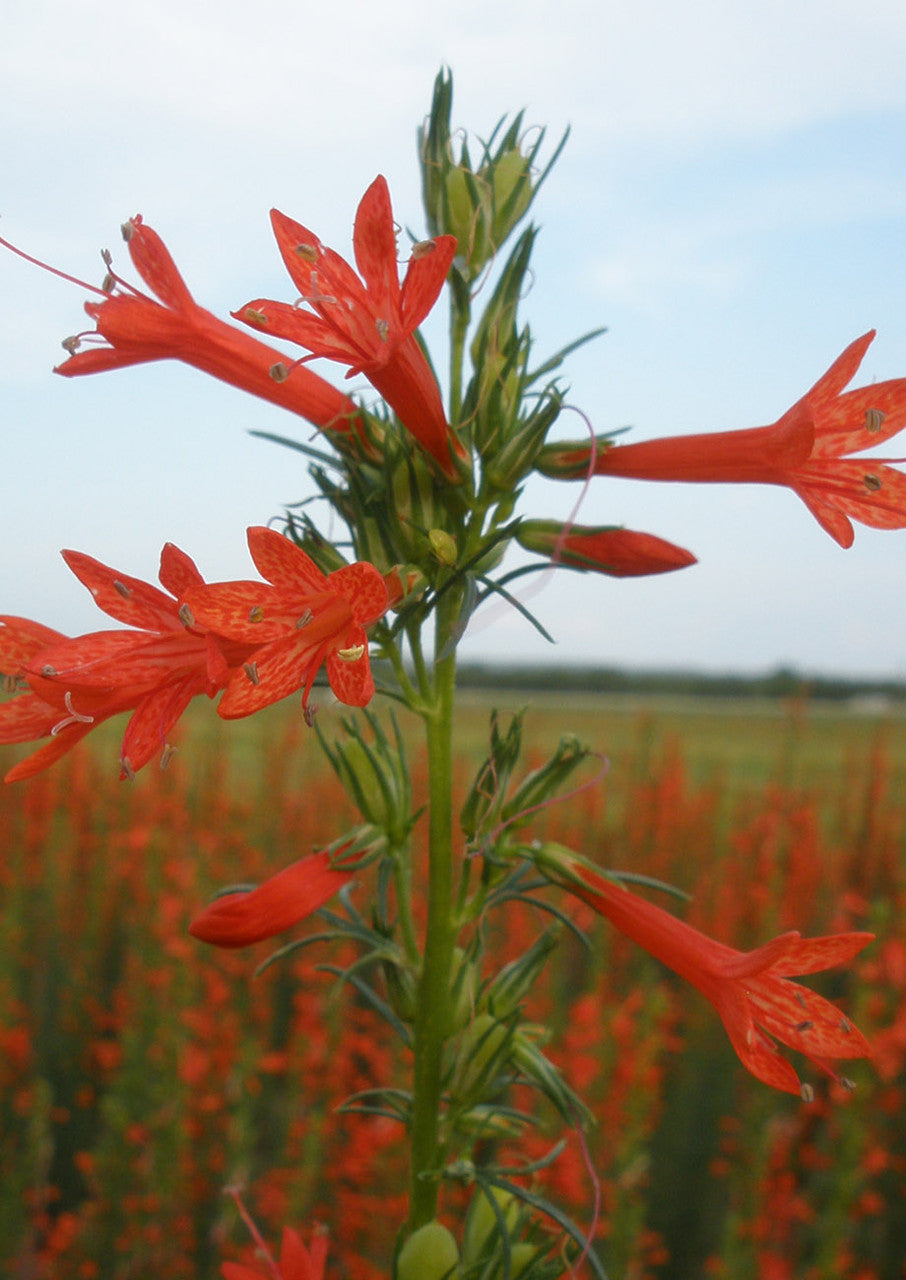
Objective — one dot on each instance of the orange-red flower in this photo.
(239, 919)
(368, 321)
(136, 329)
(153, 669)
(751, 990)
(620, 553)
(807, 450)
(297, 621)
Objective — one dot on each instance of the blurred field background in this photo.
(141, 1072)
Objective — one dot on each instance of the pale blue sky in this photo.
(731, 204)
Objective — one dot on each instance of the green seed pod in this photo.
(430, 1253)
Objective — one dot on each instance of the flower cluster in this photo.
(256, 641)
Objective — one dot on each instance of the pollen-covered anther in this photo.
(128, 771)
(254, 316)
(845, 1026)
(122, 589)
(74, 717)
(186, 616)
(872, 482)
(108, 284)
(127, 230)
(874, 420)
(256, 613)
(279, 371)
(307, 251)
(72, 343)
(383, 328)
(251, 670)
(167, 755)
(422, 248)
(304, 620)
(806, 1093)
(352, 654)
(48, 672)
(804, 1026)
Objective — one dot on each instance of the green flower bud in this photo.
(483, 1048)
(443, 545)
(485, 1220)
(430, 1253)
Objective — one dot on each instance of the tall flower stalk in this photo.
(425, 496)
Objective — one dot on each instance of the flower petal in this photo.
(127, 599)
(287, 566)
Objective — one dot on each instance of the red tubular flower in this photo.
(138, 329)
(295, 622)
(368, 323)
(751, 991)
(239, 919)
(155, 670)
(296, 1262)
(806, 450)
(620, 553)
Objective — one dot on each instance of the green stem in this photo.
(432, 1011)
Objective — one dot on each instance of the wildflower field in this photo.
(142, 1073)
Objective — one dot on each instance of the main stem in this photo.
(432, 1010)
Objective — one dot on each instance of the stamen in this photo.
(308, 714)
(186, 616)
(304, 620)
(256, 613)
(422, 248)
(383, 328)
(122, 589)
(72, 343)
(254, 316)
(804, 1026)
(351, 654)
(107, 258)
(849, 1085)
(48, 671)
(251, 670)
(127, 230)
(167, 755)
(279, 371)
(128, 771)
(317, 295)
(845, 1026)
(806, 1093)
(874, 419)
(307, 251)
(74, 717)
(108, 284)
(872, 482)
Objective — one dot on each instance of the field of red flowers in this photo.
(141, 1073)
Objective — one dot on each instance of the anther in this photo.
(383, 329)
(107, 258)
(128, 771)
(422, 248)
(279, 371)
(256, 613)
(48, 671)
(251, 670)
(874, 419)
(804, 1026)
(108, 284)
(71, 344)
(304, 620)
(806, 1093)
(167, 755)
(307, 251)
(849, 1085)
(122, 589)
(254, 316)
(872, 482)
(128, 230)
(845, 1026)
(186, 616)
(352, 654)
(308, 715)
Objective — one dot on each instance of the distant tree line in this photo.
(784, 682)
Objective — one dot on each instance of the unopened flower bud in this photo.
(443, 545)
(430, 1253)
